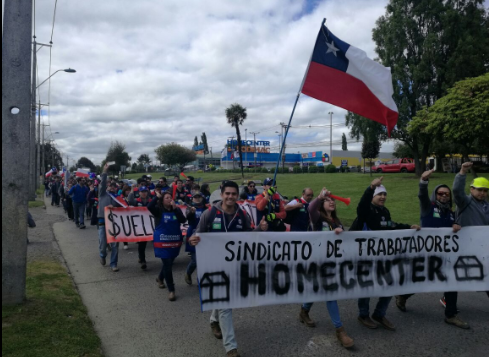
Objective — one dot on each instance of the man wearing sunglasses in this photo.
(249, 191)
(436, 212)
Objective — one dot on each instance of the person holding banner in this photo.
(194, 212)
(225, 216)
(323, 217)
(142, 201)
(167, 236)
(372, 215)
(107, 198)
(436, 212)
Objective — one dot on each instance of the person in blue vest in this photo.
(79, 194)
(436, 212)
(225, 216)
(205, 190)
(181, 192)
(373, 215)
(167, 237)
(297, 211)
(163, 183)
(142, 201)
(249, 191)
(194, 212)
(323, 218)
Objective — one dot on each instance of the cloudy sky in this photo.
(151, 72)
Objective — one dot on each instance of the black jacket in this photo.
(375, 217)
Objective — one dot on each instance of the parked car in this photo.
(395, 165)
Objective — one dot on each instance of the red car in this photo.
(395, 165)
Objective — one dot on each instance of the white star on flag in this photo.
(331, 48)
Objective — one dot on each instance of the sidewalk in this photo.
(134, 318)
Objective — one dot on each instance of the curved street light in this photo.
(68, 70)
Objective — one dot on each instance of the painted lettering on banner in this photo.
(238, 270)
(132, 224)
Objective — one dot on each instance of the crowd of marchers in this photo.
(444, 207)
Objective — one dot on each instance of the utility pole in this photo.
(331, 137)
(254, 142)
(16, 116)
(43, 163)
(38, 151)
(283, 126)
(32, 143)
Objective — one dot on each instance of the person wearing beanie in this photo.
(436, 212)
(373, 215)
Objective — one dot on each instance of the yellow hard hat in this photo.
(480, 182)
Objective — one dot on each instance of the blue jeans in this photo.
(192, 265)
(102, 247)
(225, 320)
(333, 310)
(79, 212)
(380, 309)
(167, 273)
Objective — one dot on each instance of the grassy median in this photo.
(52, 322)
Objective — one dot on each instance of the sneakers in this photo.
(82, 226)
(77, 224)
(188, 279)
(384, 322)
(233, 353)
(103, 261)
(305, 319)
(216, 330)
(143, 265)
(115, 269)
(161, 283)
(454, 320)
(344, 339)
(401, 303)
(126, 247)
(171, 296)
(367, 321)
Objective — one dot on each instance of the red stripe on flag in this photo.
(343, 90)
(167, 245)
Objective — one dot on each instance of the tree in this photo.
(173, 154)
(196, 141)
(51, 157)
(134, 167)
(370, 150)
(117, 152)
(204, 142)
(460, 117)
(344, 145)
(402, 150)
(429, 45)
(236, 115)
(144, 159)
(85, 162)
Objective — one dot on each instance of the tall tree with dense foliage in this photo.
(460, 117)
(236, 115)
(344, 145)
(117, 152)
(429, 45)
(86, 162)
(173, 154)
(144, 159)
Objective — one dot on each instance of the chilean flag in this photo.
(82, 173)
(51, 172)
(119, 200)
(344, 76)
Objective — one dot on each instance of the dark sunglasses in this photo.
(446, 194)
(252, 186)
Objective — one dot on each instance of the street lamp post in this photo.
(330, 137)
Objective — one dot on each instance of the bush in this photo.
(330, 169)
(213, 168)
(321, 169)
(297, 170)
(199, 171)
(263, 169)
(313, 169)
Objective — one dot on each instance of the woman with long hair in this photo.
(167, 237)
(322, 211)
(205, 190)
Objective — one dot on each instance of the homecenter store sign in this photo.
(249, 146)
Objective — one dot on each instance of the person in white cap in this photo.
(373, 215)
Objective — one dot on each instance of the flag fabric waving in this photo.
(51, 172)
(119, 200)
(82, 173)
(344, 76)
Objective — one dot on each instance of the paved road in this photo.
(135, 319)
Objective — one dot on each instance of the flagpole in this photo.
(292, 114)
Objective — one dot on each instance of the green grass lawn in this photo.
(402, 189)
(36, 203)
(52, 322)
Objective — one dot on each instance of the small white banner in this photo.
(237, 270)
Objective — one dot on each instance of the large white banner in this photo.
(238, 270)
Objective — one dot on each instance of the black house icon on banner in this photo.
(214, 287)
(468, 268)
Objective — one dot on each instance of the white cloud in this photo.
(151, 72)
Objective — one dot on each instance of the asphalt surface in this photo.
(134, 318)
